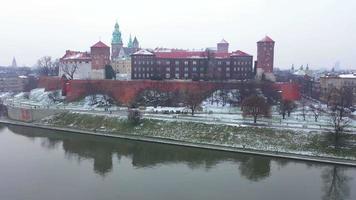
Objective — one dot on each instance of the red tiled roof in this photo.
(100, 44)
(266, 39)
(76, 55)
(173, 53)
(239, 53)
(179, 54)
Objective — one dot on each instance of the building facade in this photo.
(265, 58)
(192, 65)
(76, 59)
(100, 56)
(85, 65)
(328, 83)
(120, 56)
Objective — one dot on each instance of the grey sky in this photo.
(318, 32)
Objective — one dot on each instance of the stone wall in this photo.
(30, 114)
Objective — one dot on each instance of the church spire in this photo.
(130, 44)
(14, 64)
(116, 35)
(135, 43)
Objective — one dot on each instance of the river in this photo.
(37, 164)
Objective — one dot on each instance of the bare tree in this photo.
(339, 124)
(303, 105)
(286, 107)
(69, 69)
(192, 100)
(338, 120)
(46, 66)
(316, 110)
(255, 106)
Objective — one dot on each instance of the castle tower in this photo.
(100, 56)
(116, 43)
(135, 43)
(265, 54)
(223, 46)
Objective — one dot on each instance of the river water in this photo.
(37, 164)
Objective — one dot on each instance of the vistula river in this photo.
(37, 164)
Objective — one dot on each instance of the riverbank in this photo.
(147, 131)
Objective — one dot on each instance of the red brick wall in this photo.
(100, 57)
(50, 83)
(125, 92)
(265, 56)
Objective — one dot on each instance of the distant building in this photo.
(82, 60)
(265, 59)
(327, 83)
(89, 65)
(194, 65)
(13, 84)
(120, 56)
(100, 56)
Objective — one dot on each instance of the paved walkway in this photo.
(326, 160)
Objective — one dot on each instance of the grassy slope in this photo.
(251, 137)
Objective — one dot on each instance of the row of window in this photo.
(177, 75)
(167, 62)
(194, 69)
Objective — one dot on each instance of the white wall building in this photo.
(79, 62)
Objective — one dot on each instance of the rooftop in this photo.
(76, 55)
(266, 39)
(100, 44)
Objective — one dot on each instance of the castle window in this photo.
(177, 69)
(186, 75)
(194, 62)
(194, 69)
(177, 75)
(186, 69)
(227, 62)
(186, 62)
(177, 62)
(168, 69)
(168, 75)
(219, 69)
(228, 69)
(168, 62)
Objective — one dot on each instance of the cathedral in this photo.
(119, 51)
(120, 55)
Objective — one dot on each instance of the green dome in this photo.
(116, 35)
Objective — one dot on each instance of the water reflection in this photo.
(336, 183)
(142, 154)
(334, 180)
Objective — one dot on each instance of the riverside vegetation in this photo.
(256, 138)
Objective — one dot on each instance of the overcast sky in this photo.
(314, 32)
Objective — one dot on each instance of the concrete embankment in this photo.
(325, 160)
(30, 114)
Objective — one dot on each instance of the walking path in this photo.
(326, 160)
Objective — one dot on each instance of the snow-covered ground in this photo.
(209, 112)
